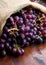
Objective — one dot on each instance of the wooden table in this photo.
(34, 55)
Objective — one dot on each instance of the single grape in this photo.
(4, 35)
(6, 28)
(21, 20)
(2, 40)
(34, 37)
(27, 34)
(22, 50)
(34, 32)
(1, 46)
(29, 16)
(7, 45)
(23, 36)
(12, 21)
(31, 12)
(14, 50)
(40, 40)
(27, 21)
(27, 44)
(13, 45)
(44, 31)
(31, 20)
(16, 18)
(29, 39)
(33, 16)
(3, 53)
(30, 34)
(31, 25)
(24, 16)
(27, 28)
(9, 39)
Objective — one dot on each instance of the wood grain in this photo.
(34, 55)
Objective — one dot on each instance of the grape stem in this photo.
(12, 29)
(40, 19)
(15, 40)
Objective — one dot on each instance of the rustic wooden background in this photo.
(34, 55)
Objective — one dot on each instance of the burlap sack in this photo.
(8, 7)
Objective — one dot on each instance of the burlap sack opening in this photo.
(7, 8)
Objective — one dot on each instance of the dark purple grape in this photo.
(3, 53)
(13, 45)
(31, 12)
(29, 16)
(10, 34)
(6, 28)
(24, 16)
(22, 51)
(34, 37)
(1, 46)
(23, 36)
(27, 28)
(24, 41)
(31, 25)
(14, 50)
(27, 44)
(7, 45)
(21, 20)
(33, 16)
(31, 20)
(17, 33)
(44, 31)
(22, 28)
(10, 48)
(27, 21)
(44, 36)
(29, 39)
(4, 35)
(43, 15)
(2, 40)
(40, 40)
(16, 18)
(30, 34)
(34, 32)
(34, 22)
(9, 39)
(12, 21)
(27, 34)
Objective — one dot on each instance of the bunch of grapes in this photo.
(22, 29)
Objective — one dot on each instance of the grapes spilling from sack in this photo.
(22, 29)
